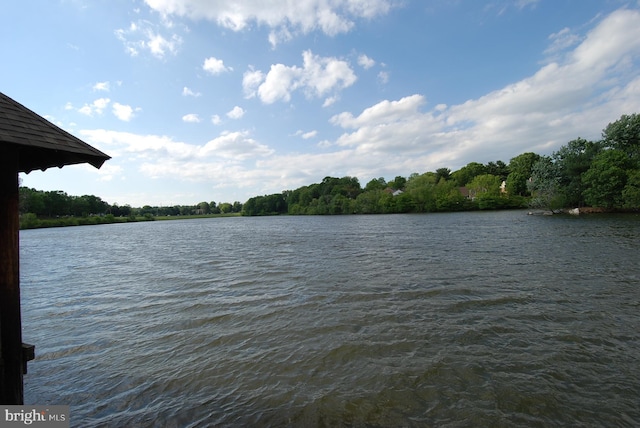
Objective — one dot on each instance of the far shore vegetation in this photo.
(603, 175)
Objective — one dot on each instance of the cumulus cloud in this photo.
(365, 62)
(95, 108)
(589, 84)
(191, 118)
(318, 76)
(588, 87)
(251, 80)
(101, 86)
(235, 113)
(215, 66)
(189, 93)
(215, 119)
(124, 112)
(235, 145)
(284, 18)
(310, 134)
(161, 156)
(143, 36)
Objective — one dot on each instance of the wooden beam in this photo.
(11, 389)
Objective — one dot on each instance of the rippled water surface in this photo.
(469, 319)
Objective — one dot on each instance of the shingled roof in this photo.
(40, 143)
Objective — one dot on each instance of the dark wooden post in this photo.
(11, 360)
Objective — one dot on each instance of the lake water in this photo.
(464, 319)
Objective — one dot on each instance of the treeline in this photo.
(56, 208)
(604, 173)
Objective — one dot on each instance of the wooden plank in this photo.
(11, 390)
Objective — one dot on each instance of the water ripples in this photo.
(470, 319)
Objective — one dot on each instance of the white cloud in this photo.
(279, 83)
(561, 41)
(108, 171)
(588, 85)
(215, 66)
(189, 93)
(215, 119)
(310, 134)
(96, 107)
(161, 156)
(235, 145)
(521, 4)
(593, 85)
(318, 76)
(285, 18)
(236, 113)
(365, 62)
(191, 118)
(144, 36)
(251, 80)
(329, 101)
(101, 86)
(124, 112)
(383, 77)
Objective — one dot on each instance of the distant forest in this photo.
(604, 173)
(581, 173)
(56, 208)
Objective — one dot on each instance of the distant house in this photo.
(503, 187)
(464, 192)
(393, 192)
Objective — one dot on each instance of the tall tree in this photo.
(572, 160)
(624, 135)
(499, 169)
(520, 167)
(606, 179)
(443, 173)
(544, 185)
(464, 175)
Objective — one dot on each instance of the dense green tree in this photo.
(624, 135)
(443, 173)
(571, 161)
(606, 179)
(57, 203)
(631, 191)
(422, 189)
(467, 173)
(404, 203)
(204, 208)
(544, 185)
(485, 184)
(520, 168)
(398, 183)
(259, 205)
(376, 184)
(32, 201)
(368, 202)
(226, 208)
(499, 169)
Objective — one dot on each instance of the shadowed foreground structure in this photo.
(27, 142)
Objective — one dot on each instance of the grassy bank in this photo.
(31, 221)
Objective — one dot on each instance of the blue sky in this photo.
(211, 100)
